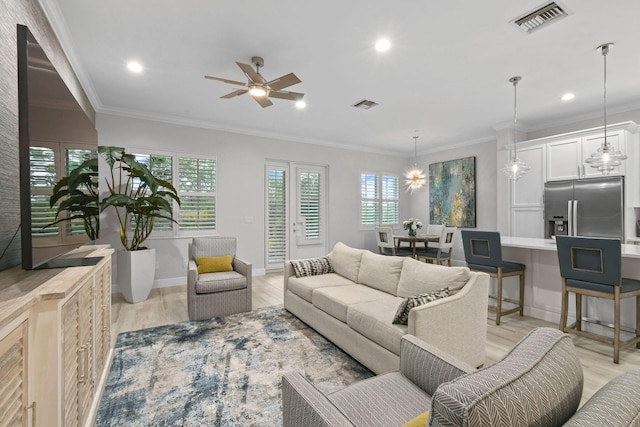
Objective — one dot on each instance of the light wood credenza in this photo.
(55, 342)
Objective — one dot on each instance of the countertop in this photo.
(628, 251)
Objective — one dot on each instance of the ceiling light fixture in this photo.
(607, 157)
(515, 167)
(567, 96)
(382, 45)
(134, 67)
(258, 91)
(300, 105)
(414, 177)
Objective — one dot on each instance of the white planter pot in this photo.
(136, 272)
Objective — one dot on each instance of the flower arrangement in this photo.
(412, 225)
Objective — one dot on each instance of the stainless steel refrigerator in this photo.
(591, 207)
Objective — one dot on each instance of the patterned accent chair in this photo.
(483, 252)
(538, 383)
(217, 294)
(593, 267)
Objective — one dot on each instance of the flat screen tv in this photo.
(53, 131)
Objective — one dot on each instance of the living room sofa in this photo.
(538, 383)
(354, 305)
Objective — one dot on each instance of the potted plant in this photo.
(139, 199)
(77, 195)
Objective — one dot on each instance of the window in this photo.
(379, 200)
(276, 215)
(197, 191)
(161, 166)
(310, 203)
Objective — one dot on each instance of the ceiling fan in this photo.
(260, 89)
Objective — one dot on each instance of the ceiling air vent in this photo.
(365, 104)
(541, 17)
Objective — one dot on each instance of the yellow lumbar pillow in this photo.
(419, 421)
(214, 264)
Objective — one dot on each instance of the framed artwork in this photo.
(452, 193)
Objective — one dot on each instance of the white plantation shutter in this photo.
(43, 178)
(197, 191)
(379, 200)
(276, 215)
(74, 157)
(309, 208)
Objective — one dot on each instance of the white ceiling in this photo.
(446, 74)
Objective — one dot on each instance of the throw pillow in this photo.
(419, 421)
(402, 315)
(214, 264)
(312, 267)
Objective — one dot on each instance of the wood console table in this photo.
(55, 341)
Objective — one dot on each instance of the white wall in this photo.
(241, 160)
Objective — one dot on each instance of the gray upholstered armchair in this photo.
(220, 293)
(538, 383)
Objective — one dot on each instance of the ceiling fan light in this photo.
(257, 91)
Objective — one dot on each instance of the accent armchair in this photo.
(217, 293)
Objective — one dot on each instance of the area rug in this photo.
(221, 372)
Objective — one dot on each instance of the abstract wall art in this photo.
(452, 193)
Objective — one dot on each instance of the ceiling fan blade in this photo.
(231, 82)
(234, 93)
(250, 73)
(283, 94)
(262, 100)
(284, 81)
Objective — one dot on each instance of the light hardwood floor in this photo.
(169, 305)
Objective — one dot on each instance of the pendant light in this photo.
(606, 158)
(515, 167)
(414, 178)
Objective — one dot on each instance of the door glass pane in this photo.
(310, 203)
(276, 220)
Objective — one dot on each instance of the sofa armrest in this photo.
(288, 272)
(428, 367)
(244, 268)
(456, 324)
(192, 276)
(305, 405)
(615, 404)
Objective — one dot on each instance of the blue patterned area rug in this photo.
(221, 372)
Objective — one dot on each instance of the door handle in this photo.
(32, 407)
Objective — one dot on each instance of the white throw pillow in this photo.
(420, 278)
(380, 272)
(346, 261)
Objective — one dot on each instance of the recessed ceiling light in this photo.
(134, 67)
(300, 105)
(568, 96)
(383, 45)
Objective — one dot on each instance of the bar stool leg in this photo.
(578, 312)
(616, 325)
(522, 294)
(565, 307)
(499, 296)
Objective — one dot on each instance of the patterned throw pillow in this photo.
(312, 267)
(402, 315)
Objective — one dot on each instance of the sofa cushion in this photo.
(373, 320)
(380, 271)
(402, 314)
(539, 382)
(335, 300)
(312, 267)
(421, 278)
(346, 261)
(304, 286)
(385, 400)
(220, 282)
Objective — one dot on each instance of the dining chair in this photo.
(387, 245)
(483, 252)
(593, 267)
(435, 229)
(440, 251)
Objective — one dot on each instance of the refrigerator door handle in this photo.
(570, 217)
(575, 217)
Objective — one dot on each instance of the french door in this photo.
(296, 212)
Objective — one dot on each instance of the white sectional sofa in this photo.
(354, 306)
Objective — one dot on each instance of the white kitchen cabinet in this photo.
(527, 193)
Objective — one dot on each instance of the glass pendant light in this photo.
(515, 167)
(606, 158)
(414, 178)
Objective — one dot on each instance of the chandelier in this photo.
(606, 157)
(414, 178)
(515, 167)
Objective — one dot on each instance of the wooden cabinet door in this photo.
(13, 377)
(71, 356)
(564, 159)
(103, 317)
(86, 378)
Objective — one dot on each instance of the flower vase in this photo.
(412, 233)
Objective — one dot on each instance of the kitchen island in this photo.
(543, 284)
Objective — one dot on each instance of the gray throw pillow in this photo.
(402, 315)
(312, 267)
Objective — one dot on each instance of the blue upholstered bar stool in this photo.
(483, 252)
(592, 267)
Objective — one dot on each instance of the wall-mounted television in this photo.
(54, 135)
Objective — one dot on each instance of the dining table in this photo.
(412, 240)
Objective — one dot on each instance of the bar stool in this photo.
(592, 267)
(483, 252)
